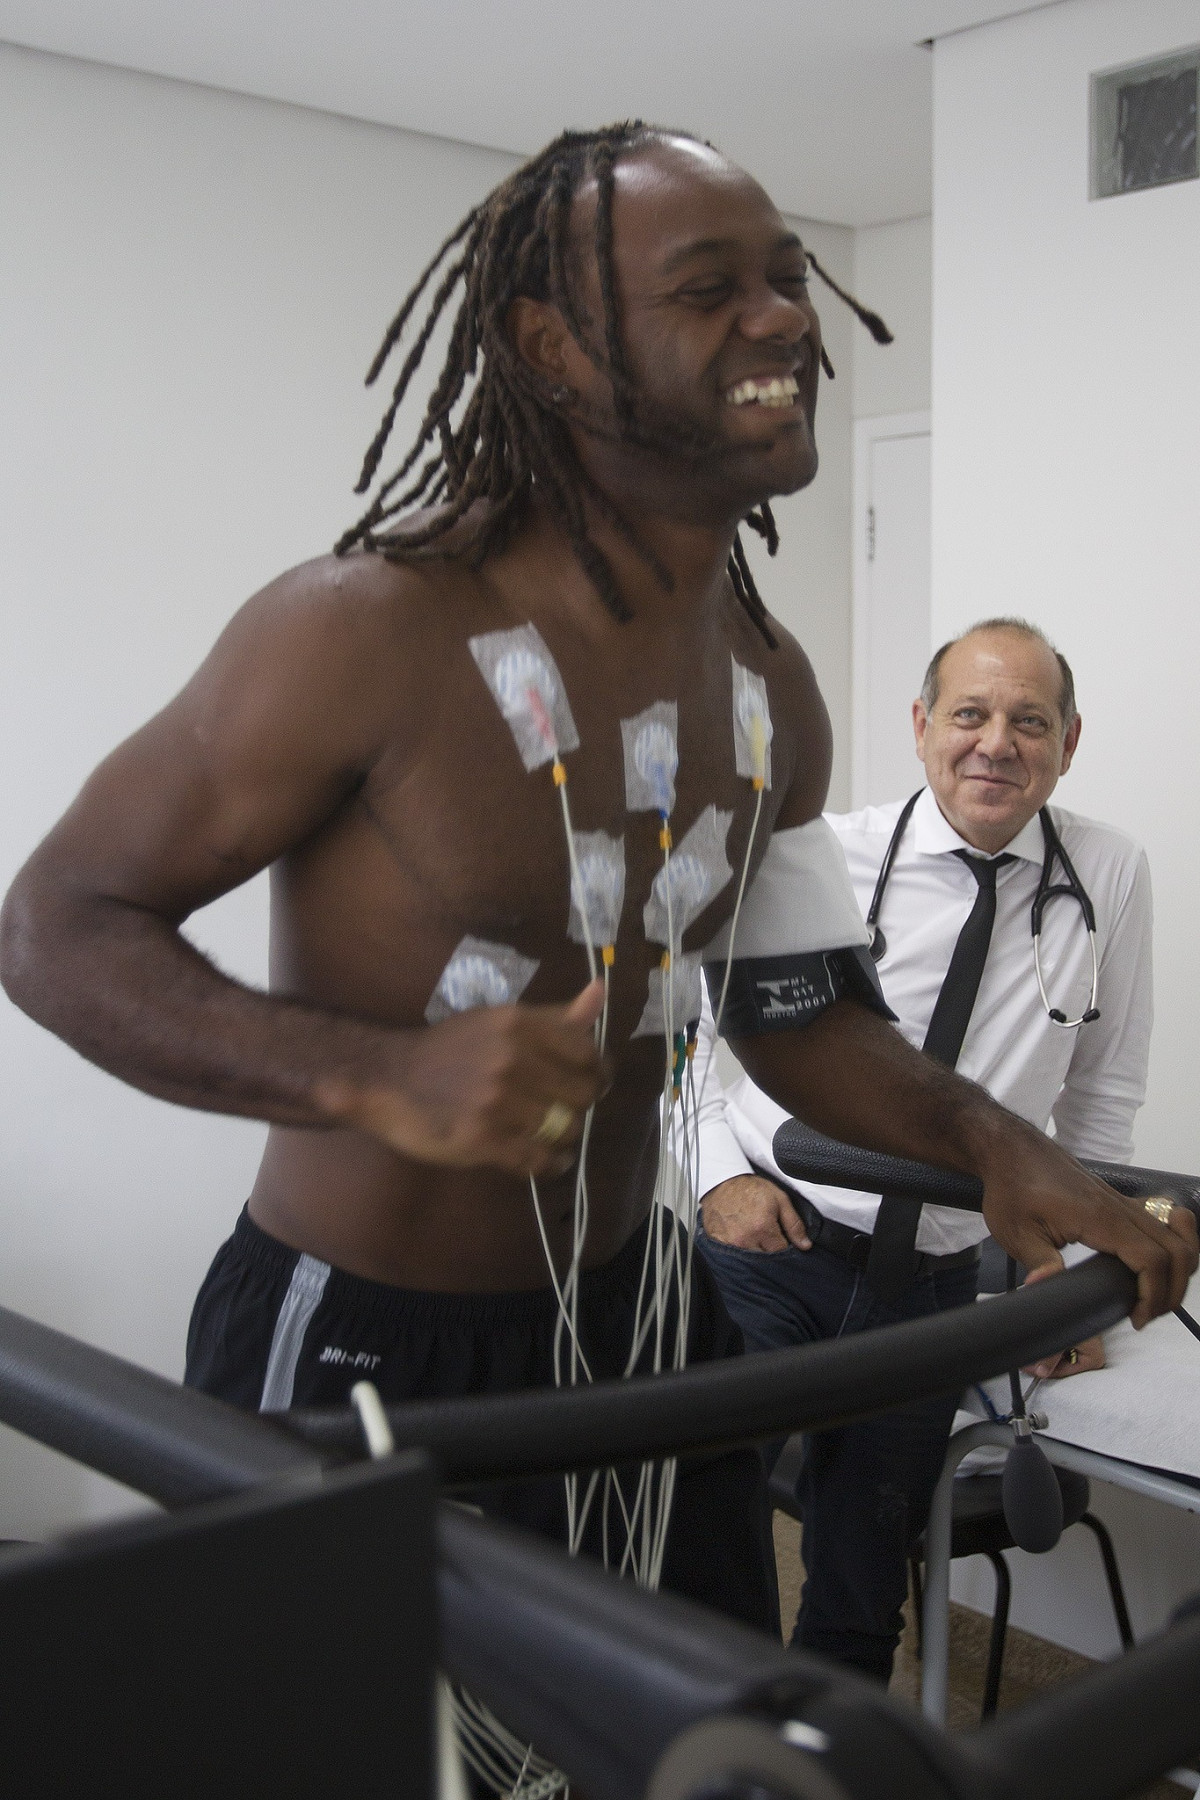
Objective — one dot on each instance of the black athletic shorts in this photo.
(273, 1327)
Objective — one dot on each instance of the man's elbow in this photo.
(27, 938)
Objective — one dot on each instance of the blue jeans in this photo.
(864, 1490)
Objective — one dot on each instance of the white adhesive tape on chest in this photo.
(651, 744)
(695, 874)
(528, 689)
(601, 862)
(752, 728)
(479, 974)
(684, 985)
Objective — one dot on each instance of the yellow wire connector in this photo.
(559, 772)
(608, 955)
(664, 837)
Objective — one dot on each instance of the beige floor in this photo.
(1030, 1663)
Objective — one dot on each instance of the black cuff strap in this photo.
(783, 993)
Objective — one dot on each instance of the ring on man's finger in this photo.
(555, 1125)
(1073, 1358)
(1160, 1209)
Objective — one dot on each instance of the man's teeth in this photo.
(781, 390)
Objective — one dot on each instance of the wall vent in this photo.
(1143, 120)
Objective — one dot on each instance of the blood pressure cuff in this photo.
(779, 993)
(799, 943)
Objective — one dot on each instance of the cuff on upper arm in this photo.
(780, 993)
(799, 942)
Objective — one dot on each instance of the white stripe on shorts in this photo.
(295, 1316)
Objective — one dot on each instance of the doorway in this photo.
(891, 618)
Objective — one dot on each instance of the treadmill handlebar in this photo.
(610, 1682)
(808, 1155)
(745, 1399)
(180, 1446)
(605, 1678)
(569, 1650)
(171, 1443)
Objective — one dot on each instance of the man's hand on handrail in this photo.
(1036, 1199)
(853, 1076)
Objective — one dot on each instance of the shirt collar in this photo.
(933, 834)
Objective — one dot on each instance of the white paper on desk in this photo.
(1144, 1407)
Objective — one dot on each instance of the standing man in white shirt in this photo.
(996, 726)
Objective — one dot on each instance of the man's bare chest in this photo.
(543, 778)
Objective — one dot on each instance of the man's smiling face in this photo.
(718, 331)
(995, 742)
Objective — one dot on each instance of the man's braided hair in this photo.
(512, 434)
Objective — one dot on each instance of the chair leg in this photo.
(918, 1598)
(1113, 1575)
(995, 1662)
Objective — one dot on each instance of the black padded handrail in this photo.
(1103, 1735)
(169, 1442)
(808, 1155)
(536, 1632)
(747, 1399)
(603, 1676)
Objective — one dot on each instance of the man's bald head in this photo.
(1020, 628)
(996, 726)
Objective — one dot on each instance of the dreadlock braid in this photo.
(622, 385)
(510, 436)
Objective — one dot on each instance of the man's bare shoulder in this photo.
(365, 600)
(328, 667)
(359, 619)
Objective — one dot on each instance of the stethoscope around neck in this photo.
(1047, 889)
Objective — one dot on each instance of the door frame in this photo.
(867, 432)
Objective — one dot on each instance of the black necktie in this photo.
(891, 1264)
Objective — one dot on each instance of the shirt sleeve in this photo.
(721, 1156)
(1106, 1081)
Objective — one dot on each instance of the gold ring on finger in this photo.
(1160, 1209)
(555, 1125)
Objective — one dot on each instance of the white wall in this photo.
(1066, 464)
(191, 287)
(1066, 486)
(893, 273)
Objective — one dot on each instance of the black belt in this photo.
(854, 1247)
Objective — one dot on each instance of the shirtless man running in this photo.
(648, 361)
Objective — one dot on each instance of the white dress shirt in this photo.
(1089, 1082)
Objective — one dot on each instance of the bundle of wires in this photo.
(634, 1524)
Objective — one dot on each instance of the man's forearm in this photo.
(121, 985)
(852, 1076)
(127, 991)
(855, 1078)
